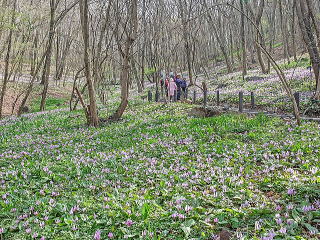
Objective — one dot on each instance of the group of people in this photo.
(174, 83)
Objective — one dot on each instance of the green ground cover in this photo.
(159, 174)
(51, 104)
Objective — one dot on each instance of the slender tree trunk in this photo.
(243, 42)
(258, 17)
(30, 86)
(315, 21)
(3, 6)
(47, 65)
(97, 72)
(92, 111)
(284, 30)
(143, 52)
(310, 41)
(62, 63)
(58, 57)
(219, 40)
(185, 32)
(7, 58)
(231, 46)
(136, 75)
(125, 69)
(293, 32)
(272, 30)
(33, 54)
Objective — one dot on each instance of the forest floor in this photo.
(159, 174)
(58, 97)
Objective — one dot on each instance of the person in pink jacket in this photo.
(171, 88)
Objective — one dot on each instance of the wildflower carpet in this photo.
(159, 174)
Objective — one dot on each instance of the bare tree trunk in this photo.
(97, 72)
(258, 17)
(219, 40)
(231, 46)
(61, 61)
(185, 32)
(3, 6)
(314, 19)
(92, 111)
(272, 31)
(30, 86)
(125, 69)
(310, 41)
(293, 32)
(284, 30)
(136, 75)
(7, 58)
(243, 42)
(33, 53)
(143, 53)
(47, 65)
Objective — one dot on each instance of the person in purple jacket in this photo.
(184, 86)
(178, 82)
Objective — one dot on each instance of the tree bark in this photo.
(125, 69)
(284, 30)
(293, 32)
(143, 47)
(61, 61)
(7, 58)
(93, 114)
(309, 40)
(257, 18)
(185, 32)
(315, 21)
(243, 41)
(47, 65)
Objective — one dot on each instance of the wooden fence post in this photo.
(194, 97)
(149, 96)
(252, 100)
(241, 102)
(218, 97)
(297, 98)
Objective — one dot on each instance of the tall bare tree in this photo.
(7, 58)
(126, 57)
(307, 29)
(92, 113)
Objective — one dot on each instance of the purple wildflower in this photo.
(291, 191)
(278, 221)
(188, 208)
(174, 215)
(110, 235)
(129, 223)
(283, 230)
(97, 235)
